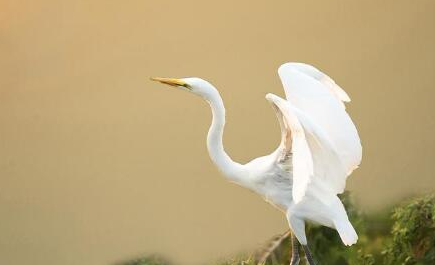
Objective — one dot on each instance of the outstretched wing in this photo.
(316, 129)
(305, 88)
(315, 162)
(295, 143)
(315, 73)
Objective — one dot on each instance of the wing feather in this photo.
(317, 130)
(316, 101)
(302, 160)
(315, 160)
(315, 73)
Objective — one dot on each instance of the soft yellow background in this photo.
(100, 165)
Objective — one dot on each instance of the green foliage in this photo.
(152, 260)
(407, 237)
(413, 233)
(239, 261)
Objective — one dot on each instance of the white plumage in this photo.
(319, 149)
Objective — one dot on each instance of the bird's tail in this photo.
(346, 231)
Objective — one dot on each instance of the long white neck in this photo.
(232, 170)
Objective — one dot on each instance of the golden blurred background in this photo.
(100, 165)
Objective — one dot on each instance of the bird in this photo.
(319, 148)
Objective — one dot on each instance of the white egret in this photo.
(319, 148)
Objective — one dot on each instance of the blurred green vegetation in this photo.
(404, 235)
(413, 233)
(151, 260)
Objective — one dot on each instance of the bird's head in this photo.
(194, 85)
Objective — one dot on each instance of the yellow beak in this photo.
(171, 81)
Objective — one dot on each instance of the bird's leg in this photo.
(295, 251)
(308, 255)
(275, 243)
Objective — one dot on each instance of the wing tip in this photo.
(272, 98)
(286, 66)
(315, 73)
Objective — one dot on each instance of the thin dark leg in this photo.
(295, 251)
(308, 255)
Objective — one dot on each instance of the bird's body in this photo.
(272, 179)
(319, 148)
